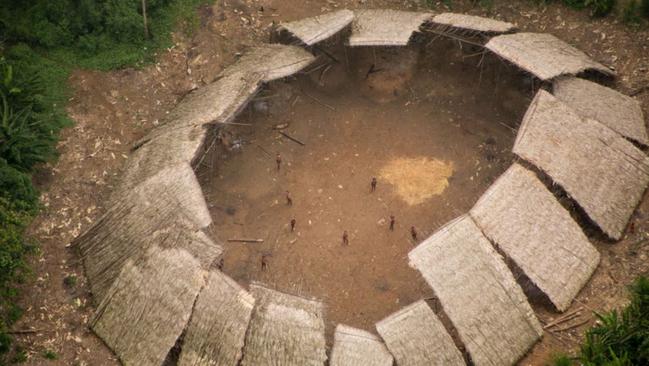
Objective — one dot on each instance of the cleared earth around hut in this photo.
(431, 126)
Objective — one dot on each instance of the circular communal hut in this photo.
(151, 263)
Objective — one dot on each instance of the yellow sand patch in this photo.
(417, 179)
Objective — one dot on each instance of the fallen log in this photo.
(246, 240)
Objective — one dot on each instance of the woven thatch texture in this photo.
(149, 305)
(285, 330)
(217, 102)
(478, 293)
(416, 337)
(385, 27)
(169, 203)
(315, 29)
(473, 23)
(354, 347)
(543, 55)
(601, 170)
(218, 325)
(527, 223)
(176, 146)
(180, 137)
(271, 61)
(619, 112)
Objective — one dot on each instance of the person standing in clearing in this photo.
(373, 185)
(278, 160)
(289, 200)
(413, 233)
(293, 222)
(392, 221)
(264, 263)
(345, 238)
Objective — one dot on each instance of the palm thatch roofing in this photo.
(149, 305)
(543, 55)
(619, 112)
(161, 208)
(284, 330)
(315, 29)
(175, 147)
(603, 172)
(180, 138)
(354, 347)
(271, 61)
(473, 23)
(148, 260)
(416, 337)
(380, 27)
(526, 222)
(217, 329)
(478, 293)
(147, 257)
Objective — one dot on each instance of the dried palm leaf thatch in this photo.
(315, 29)
(173, 148)
(619, 112)
(167, 205)
(354, 347)
(218, 325)
(218, 102)
(271, 61)
(381, 27)
(473, 23)
(284, 330)
(416, 337)
(543, 55)
(526, 222)
(180, 138)
(149, 305)
(603, 172)
(478, 293)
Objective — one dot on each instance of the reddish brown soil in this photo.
(442, 114)
(112, 110)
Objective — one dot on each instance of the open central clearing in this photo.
(433, 135)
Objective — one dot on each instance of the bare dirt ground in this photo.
(112, 110)
(434, 143)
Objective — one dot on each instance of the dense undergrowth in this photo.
(620, 338)
(41, 41)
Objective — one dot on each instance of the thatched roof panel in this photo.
(473, 23)
(166, 210)
(354, 347)
(527, 223)
(217, 329)
(149, 305)
(175, 147)
(181, 135)
(478, 293)
(217, 102)
(315, 29)
(606, 174)
(621, 113)
(271, 62)
(379, 27)
(284, 330)
(416, 337)
(543, 55)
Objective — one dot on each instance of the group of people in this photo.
(345, 241)
(345, 238)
